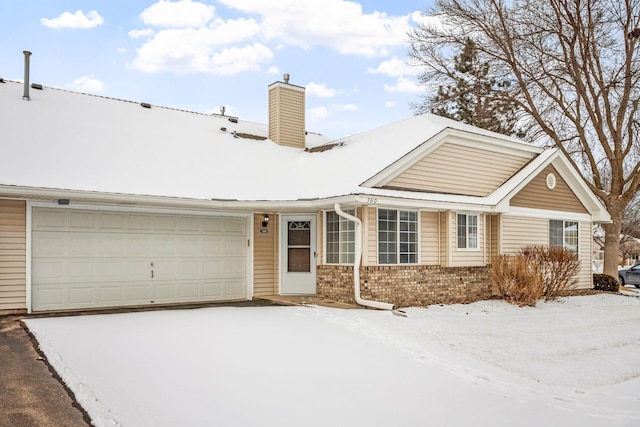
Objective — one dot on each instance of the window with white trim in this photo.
(563, 234)
(467, 231)
(340, 238)
(397, 237)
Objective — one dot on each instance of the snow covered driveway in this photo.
(570, 362)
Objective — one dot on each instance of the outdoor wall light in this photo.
(265, 220)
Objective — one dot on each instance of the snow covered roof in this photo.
(66, 140)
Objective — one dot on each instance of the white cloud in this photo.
(394, 67)
(273, 70)
(191, 50)
(345, 107)
(180, 14)
(88, 83)
(390, 104)
(338, 24)
(404, 85)
(136, 34)
(320, 90)
(318, 113)
(77, 20)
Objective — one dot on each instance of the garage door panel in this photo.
(140, 222)
(111, 221)
(213, 225)
(111, 295)
(49, 244)
(48, 271)
(187, 245)
(82, 295)
(139, 294)
(49, 219)
(138, 246)
(234, 225)
(87, 259)
(81, 220)
(190, 290)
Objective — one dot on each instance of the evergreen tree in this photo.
(474, 96)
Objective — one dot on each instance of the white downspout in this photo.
(356, 264)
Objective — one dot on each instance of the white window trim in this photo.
(480, 231)
(563, 227)
(418, 231)
(324, 236)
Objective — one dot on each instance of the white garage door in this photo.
(84, 258)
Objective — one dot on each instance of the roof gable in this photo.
(537, 194)
(457, 162)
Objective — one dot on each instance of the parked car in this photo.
(630, 276)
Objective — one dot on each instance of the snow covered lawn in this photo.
(571, 362)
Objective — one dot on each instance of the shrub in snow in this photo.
(604, 282)
(517, 281)
(533, 273)
(558, 267)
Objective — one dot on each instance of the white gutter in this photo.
(356, 263)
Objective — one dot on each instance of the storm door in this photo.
(298, 257)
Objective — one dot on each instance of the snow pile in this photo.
(570, 362)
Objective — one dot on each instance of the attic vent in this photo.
(233, 119)
(551, 181)
(36, 86)
(145, 105)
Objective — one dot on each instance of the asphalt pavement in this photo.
(30, 393)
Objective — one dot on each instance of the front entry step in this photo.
(305, 300)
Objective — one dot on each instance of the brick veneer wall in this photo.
(406, 286)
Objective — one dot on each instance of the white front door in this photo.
(298, 265)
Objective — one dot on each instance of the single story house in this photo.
(111, 203)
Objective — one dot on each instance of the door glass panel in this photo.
(299, 246)
(299, 260)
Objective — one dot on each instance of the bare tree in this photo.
(575, 73)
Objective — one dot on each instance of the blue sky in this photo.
(199, 55)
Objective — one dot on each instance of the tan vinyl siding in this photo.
(519, 232)
(536, 195)
(265, 256)
(457, 169)
(287, 115)
(13, 255)
(429, 247)
(493, 235)
(466, 257)
(445, 249)
(320, 239)
(372, 236)
(585, 276)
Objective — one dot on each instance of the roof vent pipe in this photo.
(356, 264)
(25, 95)
(286, 78)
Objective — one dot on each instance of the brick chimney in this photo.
(286, 114)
